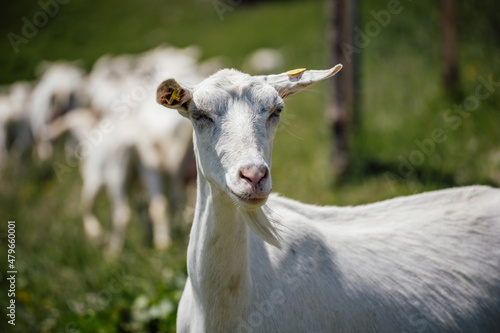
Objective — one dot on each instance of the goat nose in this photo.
(254, 175)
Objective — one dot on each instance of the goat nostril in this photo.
(242, 176)
(264, 177)
(254, 175)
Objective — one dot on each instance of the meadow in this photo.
(408, 138)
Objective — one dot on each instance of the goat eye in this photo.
(200, 116)
(276, 113)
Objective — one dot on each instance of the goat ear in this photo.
(291, 82)
(172, 95)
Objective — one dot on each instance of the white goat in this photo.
(60, 89)
(13, 112)
(109, 81)
(106, 162)
(427, 263)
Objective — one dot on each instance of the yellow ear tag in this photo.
(295, 72)
(174, 96)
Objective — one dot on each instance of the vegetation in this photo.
(408, 138)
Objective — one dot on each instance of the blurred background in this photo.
(417, 108)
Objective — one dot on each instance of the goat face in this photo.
(235, 117)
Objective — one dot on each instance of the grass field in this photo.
(409, 138)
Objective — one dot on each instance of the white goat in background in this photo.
(428, 262)
(107, 163)
(14, 112)
(111, 78)
(60, 89)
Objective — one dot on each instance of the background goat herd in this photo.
(113, 121)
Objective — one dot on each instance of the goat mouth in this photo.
(250, 199)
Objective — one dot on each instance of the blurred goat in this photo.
(106, 161)
(13, 113)
(60, 89)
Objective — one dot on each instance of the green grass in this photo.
(64, 282)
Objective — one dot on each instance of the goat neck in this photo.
(218, 256)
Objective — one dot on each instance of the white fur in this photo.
(423, 263)
(160, 148)
(60, 89)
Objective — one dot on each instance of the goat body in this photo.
(384, 267)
